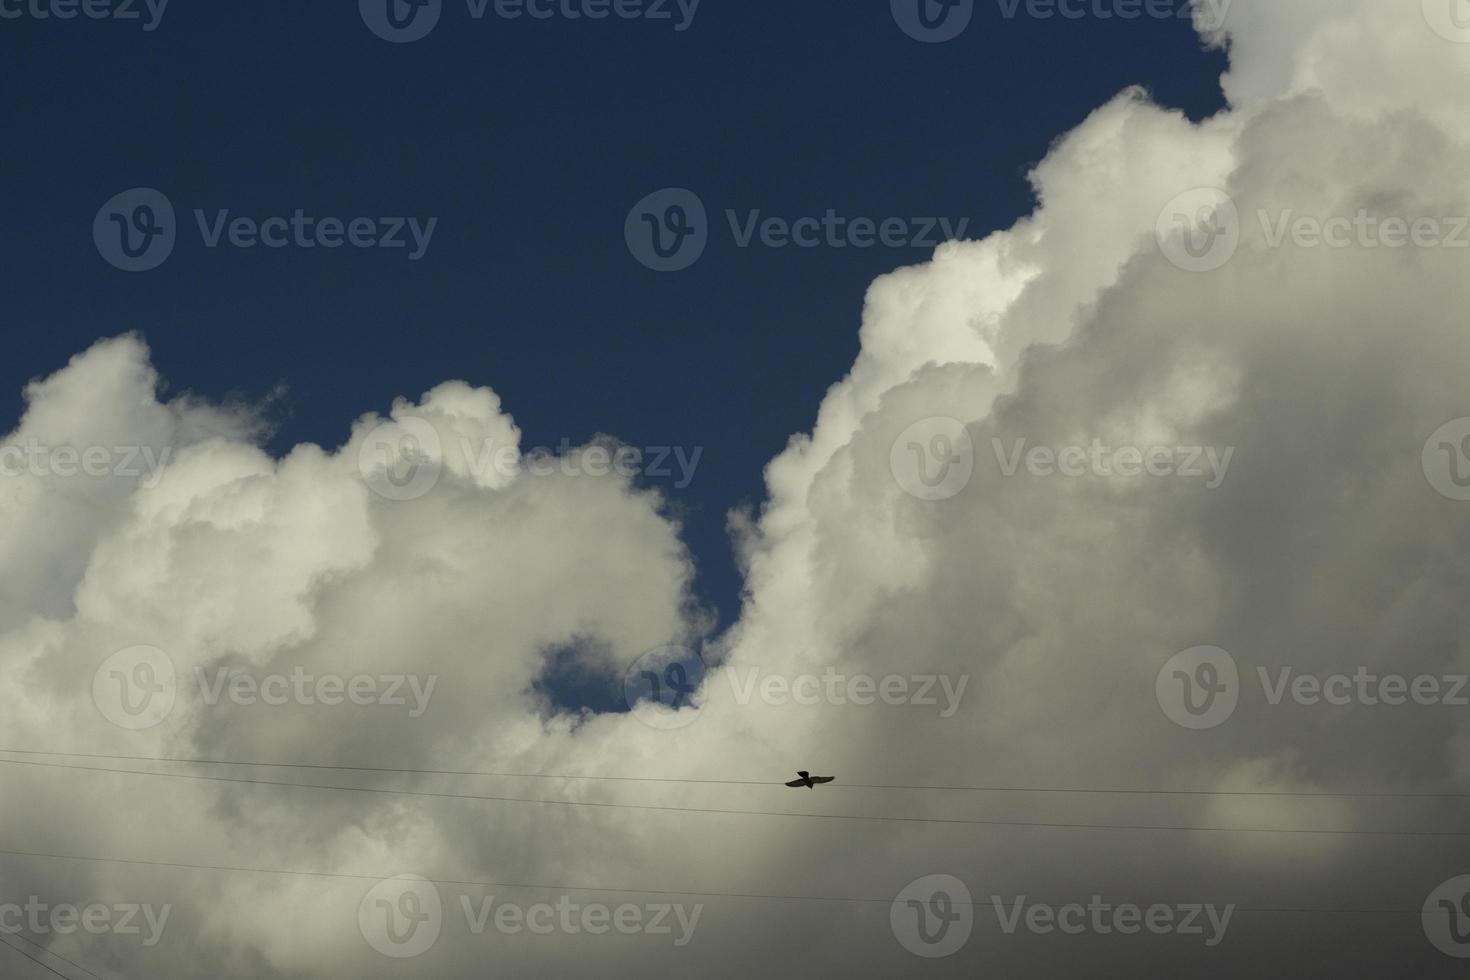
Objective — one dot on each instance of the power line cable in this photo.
(983, 822)
(748, 782)
(358, 876)
(41, 963)
(51, 952)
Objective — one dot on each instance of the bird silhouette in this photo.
(808, 780)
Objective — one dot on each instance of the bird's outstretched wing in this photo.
(797, 782)
(823, 779)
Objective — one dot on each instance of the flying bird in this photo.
(808, 780)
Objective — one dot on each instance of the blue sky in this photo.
(529, 141)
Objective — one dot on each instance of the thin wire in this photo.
(52, 952)
(352, 876)
(751, 782)
(1050, 825)
(43, 964)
